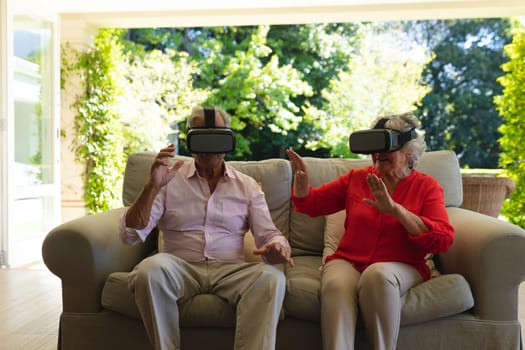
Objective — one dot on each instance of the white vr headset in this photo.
(379, 139)
(210, 138)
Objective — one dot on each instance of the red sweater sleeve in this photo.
(440, 235)
(326, 199)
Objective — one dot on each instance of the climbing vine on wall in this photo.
(98, 132)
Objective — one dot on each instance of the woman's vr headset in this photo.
(379, 139)
(210, 138)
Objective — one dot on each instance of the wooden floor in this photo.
(30, 305)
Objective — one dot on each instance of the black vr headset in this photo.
(379, 139)
(210, 138)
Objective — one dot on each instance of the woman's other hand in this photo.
(300, 183)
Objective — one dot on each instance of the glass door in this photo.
(33, 192)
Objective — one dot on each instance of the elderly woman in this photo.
(395, 216)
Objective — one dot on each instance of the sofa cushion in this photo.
(333, 231)
(444, 167)
(117, 297)
(303, 283)
(275, 178)
(203, 310)
(438, 297)
(249, 247)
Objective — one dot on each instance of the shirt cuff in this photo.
(128, 234)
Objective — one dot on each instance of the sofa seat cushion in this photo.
(203, 310)
(438, 297)
(303, 284)
(442, 296)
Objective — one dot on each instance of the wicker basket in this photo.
(485, 194)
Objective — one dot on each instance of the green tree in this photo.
(158, 94)
(317, 51)
(257, 91)
(459, 113)
(511, 105)
(384, 77)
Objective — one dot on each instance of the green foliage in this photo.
(257, 91)
(459, 113)
(311, 53)
(383, 77)
(318, 51)
(158, 95)
(98, 141)
(511, 105)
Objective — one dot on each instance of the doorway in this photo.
(30, 173)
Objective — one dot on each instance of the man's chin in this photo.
(209, 158)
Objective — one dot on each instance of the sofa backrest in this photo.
(306, 235)
(275, 178)
(136, 175)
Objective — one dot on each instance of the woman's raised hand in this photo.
(382, 199)
(300, 183)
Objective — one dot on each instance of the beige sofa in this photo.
(473, 305)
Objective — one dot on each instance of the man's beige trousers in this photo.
(162, 281)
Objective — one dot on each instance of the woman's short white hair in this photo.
(404, 122)
(197, 112)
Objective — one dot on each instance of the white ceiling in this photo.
(176, 13)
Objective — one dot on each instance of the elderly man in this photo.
(203, 208)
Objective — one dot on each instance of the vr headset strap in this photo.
(381, 123)
(403, 137)
(209, 116)
(407, 136)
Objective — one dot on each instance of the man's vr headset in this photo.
(210, 138)
(379, 139)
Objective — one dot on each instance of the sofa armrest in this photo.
(490, 254)
(83, 252)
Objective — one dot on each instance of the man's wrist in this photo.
(151, 188)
